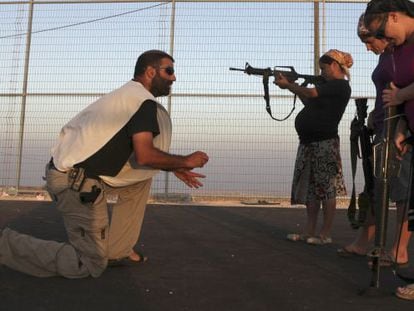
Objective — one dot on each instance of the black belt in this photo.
(53, 167)
(77, 177)
(91, 176)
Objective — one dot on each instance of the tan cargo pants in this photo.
(93, 237)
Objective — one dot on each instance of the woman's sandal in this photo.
(387, 260)
(319, 240)
(347, 253)
(295, 237)
(406, 292)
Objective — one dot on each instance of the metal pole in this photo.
(323, 26)
(24, 92)
(172, 33)
(316, 38)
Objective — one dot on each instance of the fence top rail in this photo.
(167, 1)
(216, 95)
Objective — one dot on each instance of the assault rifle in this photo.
(291, 75)
(361, 147)
(385, 155)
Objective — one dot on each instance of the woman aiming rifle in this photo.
(318, 178)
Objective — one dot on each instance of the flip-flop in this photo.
(343, 252)
(127, 262)
(295, 237)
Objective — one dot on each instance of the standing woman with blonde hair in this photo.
(318, 179)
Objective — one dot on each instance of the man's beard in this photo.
(160, 86)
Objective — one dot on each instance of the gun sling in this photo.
(267, 99)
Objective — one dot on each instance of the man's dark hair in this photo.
(149, 58)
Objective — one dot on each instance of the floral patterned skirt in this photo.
(318, 172)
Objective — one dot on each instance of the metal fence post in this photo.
(24, 92)
(172, 33)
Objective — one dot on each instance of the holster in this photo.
(90, 197)
(76, 179)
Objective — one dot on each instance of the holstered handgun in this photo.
(90, 197)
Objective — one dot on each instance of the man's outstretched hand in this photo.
(189, 177)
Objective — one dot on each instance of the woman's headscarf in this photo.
(343, 59)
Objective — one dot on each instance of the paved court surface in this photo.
(205, 258)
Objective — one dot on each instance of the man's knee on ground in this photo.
(73, 264)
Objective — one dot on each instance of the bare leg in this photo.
(365, 235)
(361, 243)
(329, 208)
(312, 211)
(405, 235)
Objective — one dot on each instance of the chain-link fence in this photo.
(59, 56)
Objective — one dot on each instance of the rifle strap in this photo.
(267, 99)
